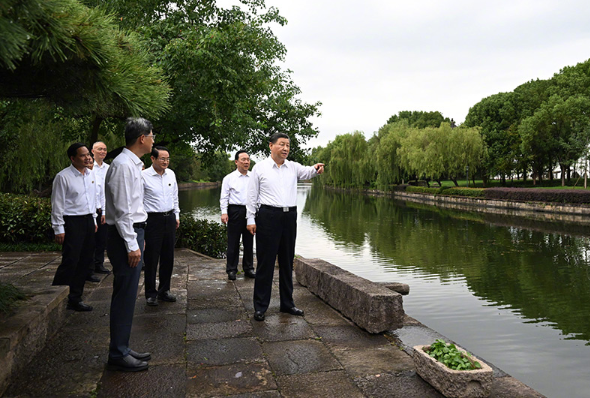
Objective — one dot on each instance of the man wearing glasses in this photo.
(161, 203)
(126, 218)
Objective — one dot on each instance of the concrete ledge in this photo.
(370, 305)
(25, 333)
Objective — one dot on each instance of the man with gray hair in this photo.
(126, 219)
(99, 150)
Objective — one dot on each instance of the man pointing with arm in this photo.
(272, 217)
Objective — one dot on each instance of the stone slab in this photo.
(282, 327)
(396, 385)
(349, 336)
(322, 384)
(373, 361)
(376, 308)
(220, 330)
(230, 379)
(300, 356)
(224, 351)
(157, 381)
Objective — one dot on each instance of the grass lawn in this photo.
(546, 184)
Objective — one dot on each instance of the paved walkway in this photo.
(208, 345)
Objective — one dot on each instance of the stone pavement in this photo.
(207, 345)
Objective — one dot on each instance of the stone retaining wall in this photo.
(25, 333)
(370, 305)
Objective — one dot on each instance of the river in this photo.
(515, 292)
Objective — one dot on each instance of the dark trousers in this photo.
(236, 228)
(100, 239)
(124, 295)
(77, 252)
(276, 231)
(160, 238)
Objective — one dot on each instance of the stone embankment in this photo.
(207, 344)
(541, 211)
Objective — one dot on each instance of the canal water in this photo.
(515, 292)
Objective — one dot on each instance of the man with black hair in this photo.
(73, 213)
(272, 216)
(126, 218)
(161, 203)
(234, 195)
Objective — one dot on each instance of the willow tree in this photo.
(387, 163)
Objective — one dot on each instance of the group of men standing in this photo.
(263, 203)
(130, 209)
(136, 209)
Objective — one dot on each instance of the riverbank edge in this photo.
(505, 384)
(536, 210)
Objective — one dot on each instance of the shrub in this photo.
(431, 191)
(573, 196)
(206, 237)
(25, 219)
(470, 192)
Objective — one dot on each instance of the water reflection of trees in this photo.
(542, 275)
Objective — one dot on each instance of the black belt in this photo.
(139, 225)
(82, 216)
(283, 209)
(165, 213)
(231, 205)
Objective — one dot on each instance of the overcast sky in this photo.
(368, 60)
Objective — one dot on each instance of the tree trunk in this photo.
(562, 174)
(503, 180)
(454, 179)
(94, 130)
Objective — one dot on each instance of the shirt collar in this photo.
(153, 171)
(274, 164)
(133, 156)
(77, 173)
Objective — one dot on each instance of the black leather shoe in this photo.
(293, 311)
(249, 273)
(93, 278)
(259, 316)
(142, 356)
(126, 364)
(231, 276)
(78, 306)
(152, 301)
(166, 296)
(100, 269)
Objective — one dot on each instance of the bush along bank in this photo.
(25, 225)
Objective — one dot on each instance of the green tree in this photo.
(387, 142)
(420, 119)
(76, 57)
(228, 90)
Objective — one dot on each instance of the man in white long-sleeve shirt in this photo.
(161, 203)
(234, 195)
(272, 217)
(99, 150)
(126, 219)
(73, 213)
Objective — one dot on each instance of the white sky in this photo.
(368, 60)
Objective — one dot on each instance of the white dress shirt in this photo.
(234, 190)
(101, 173)
(73, 194)
(275, 186)
(160, 191)
(124, 196)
